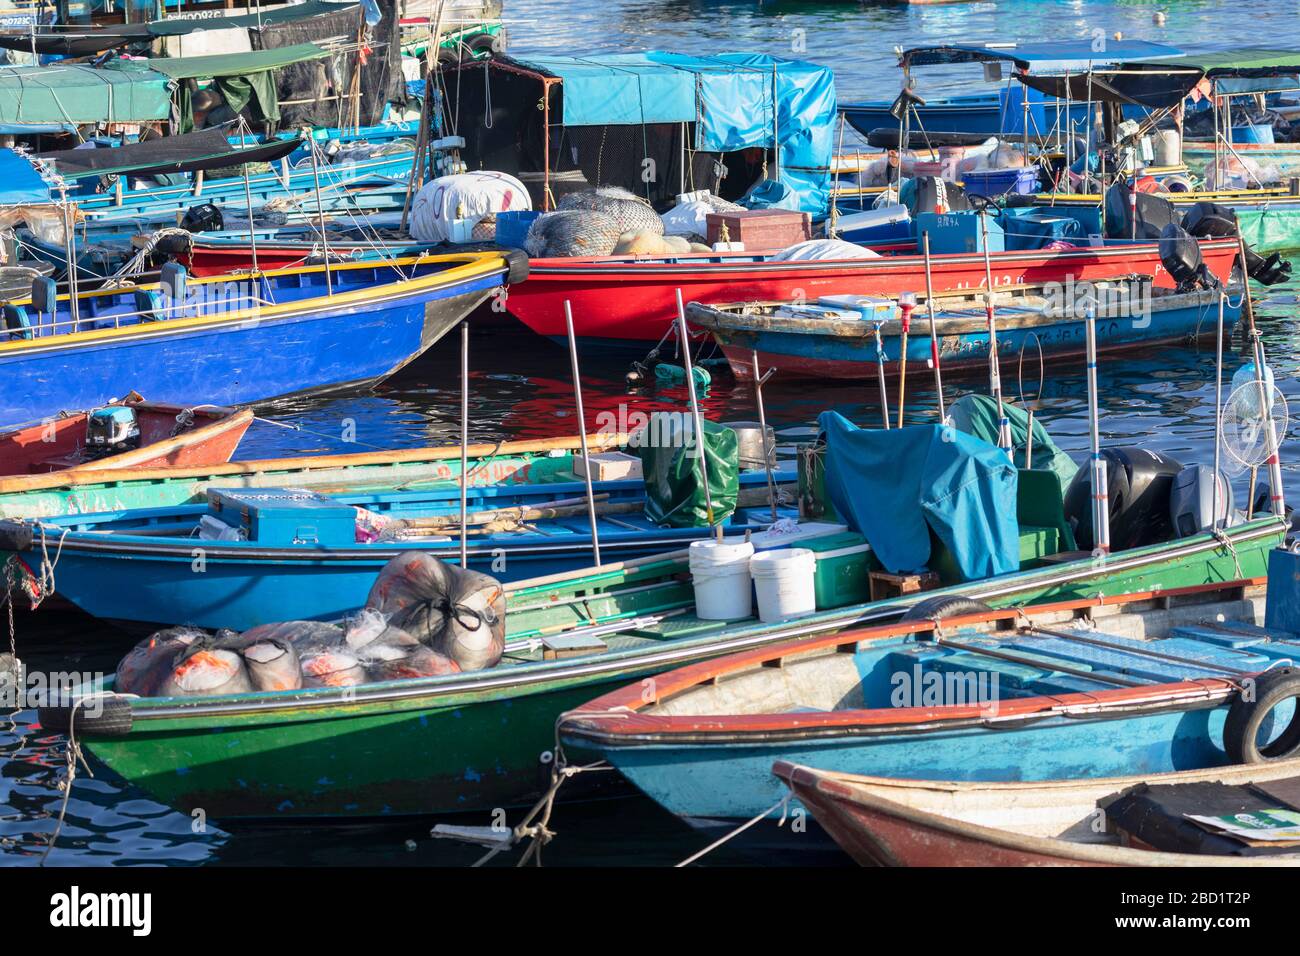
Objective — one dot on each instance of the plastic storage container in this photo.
(720, 572)
(512, 227)
(785, 582)
(999, 182)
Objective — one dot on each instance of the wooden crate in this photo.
(886, 585)
(760, 229)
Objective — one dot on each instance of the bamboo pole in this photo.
(1273, 462)
(582, 426)
(906, 303)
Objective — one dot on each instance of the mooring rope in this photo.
(783, 804)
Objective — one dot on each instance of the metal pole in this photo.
(252, 232)
(1218, 408)
(320, 213)
(762, 424)
(582, 429)
(995, 367)
(464, 444)
(70, 241)
(1100, 497)
(934, 342)
(880, 369)
(696, 417)
(1265, 400)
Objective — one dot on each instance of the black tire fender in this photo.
(941, 606)
(15, 536)
(1241, 727)
(516, 266)
(105, 716)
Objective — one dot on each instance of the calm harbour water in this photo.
(521, 388)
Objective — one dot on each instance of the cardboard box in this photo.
(608, 466)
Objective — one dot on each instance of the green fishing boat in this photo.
(474, 741)
(516, 462)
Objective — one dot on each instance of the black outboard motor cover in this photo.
(205, 217)
(1211, 220)
(1153, 214)
(1138, 484)
(929, 191)
(1181, 255)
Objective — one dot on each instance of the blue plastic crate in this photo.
(999, 182)
(512, 227)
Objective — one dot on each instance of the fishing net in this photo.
(630, 213)
(458, 613)
(572, 232)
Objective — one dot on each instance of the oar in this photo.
(906, 303)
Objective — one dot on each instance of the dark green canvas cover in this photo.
(180, 26)
(70, 94)
(978, 415)
(674, 492)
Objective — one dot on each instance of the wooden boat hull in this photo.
(211, 440)
(163, 580)
(84, 491)
(478, 741)
(887, 822)
(369, 328)
(214, 258)
(718, 768)
(628, 302)
(847, 350)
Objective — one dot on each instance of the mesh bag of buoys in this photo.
(423, 618)
(456, 612)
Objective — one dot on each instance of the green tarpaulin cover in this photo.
(978, 415)
(179, 26)
(69, 94)
(674, 493)
(240, 78)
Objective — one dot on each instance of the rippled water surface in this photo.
(521, 388)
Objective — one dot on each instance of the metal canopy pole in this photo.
(582, 429)
(995, 367)
(696, 417)
(759, 381)
(1100, 496)
(464, 443)
(934, 342)
(320, 212)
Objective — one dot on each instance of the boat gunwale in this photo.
(755, 641)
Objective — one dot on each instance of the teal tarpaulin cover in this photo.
(736, 100)
(894, 487)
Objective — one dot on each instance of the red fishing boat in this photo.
(628, 301)
(131, 433)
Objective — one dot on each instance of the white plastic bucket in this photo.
(720, 572)
(785, 581)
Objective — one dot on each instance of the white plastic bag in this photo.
(465, 196)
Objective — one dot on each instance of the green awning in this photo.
(179, 26)
(1251, 61)
(235, 64)
(70, 94)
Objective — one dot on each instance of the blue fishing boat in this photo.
(1005, 112)
(853, 337)
(1144, 683)
(252, 556)
(236, 339)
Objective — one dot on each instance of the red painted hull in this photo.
(625, 301)
(211, 439)
(222, 260)
(883, 834)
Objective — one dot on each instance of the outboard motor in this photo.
(205, 217)
(111, 430)
(1210, 220)
(930, 193)
(1153, 214)
(1181, 255)
(1138, 484)
(1192, 501)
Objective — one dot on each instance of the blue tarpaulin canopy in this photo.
(894, 487)
(736, 100)
(1043, 56)
(20, 183)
